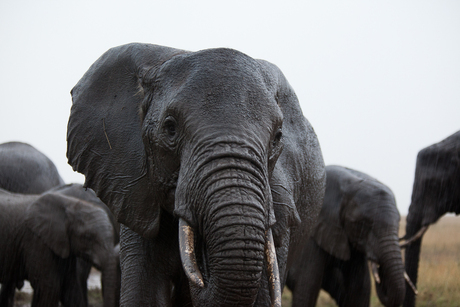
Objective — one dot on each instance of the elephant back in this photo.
(24, 169)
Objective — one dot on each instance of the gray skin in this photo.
(41, 238)
(84, 266)
(24, 169)
(212, 140)
(436, 191)
(359, 221)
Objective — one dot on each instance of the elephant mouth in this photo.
(189, 261)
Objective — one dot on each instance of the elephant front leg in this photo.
(147, 269)
(7, 294)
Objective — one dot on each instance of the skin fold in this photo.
(212, 140)
(41, 238)
(359, 222)
(435, 193)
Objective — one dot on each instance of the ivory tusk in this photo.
(375, 271)
(273, 271)
(417, 236)
(407, 278)
(187, 253)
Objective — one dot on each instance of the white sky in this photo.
(378, 81)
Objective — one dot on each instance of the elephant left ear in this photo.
(46, 217)
(329, 233)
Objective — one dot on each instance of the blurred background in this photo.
(378, 81)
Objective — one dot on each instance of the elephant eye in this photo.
(170, 127)
(277, 138)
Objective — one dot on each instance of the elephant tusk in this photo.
(417, 236)
(273, 271)
(375, 271)
(407, 278)
(187, 253)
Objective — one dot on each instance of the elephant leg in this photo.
(7, 294)
(309, 275)
(46, 293)
(74, 274)
(148, 267)
(350, 282)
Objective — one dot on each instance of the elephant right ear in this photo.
(329, 233)
(46, 217)
(104, 137)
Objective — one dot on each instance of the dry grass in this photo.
(439, 270)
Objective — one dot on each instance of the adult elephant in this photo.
(359, 222)
(41, 237)
(436, 191)
(24, 169)
(207, 161)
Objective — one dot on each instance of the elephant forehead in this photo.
(224, 88)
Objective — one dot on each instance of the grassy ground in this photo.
(439, 271)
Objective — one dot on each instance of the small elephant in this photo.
(24, 169)
(209, 164)
(41, 237)
(359, 221)
(436, 191)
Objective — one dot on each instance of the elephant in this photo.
(206, 160)
(41, 237)
(83, 266)
(24, 169)
(436, 191)
(359, 222)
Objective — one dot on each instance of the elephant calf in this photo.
(359, 221)
(41, 237)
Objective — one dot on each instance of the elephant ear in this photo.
(46, 217)
(329, 233)
(104, 138)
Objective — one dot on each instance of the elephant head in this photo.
(360, 213)
(69, 226)
(157, 130)
(435, 192)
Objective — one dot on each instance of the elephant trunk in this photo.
(232, 245)
(391, 288)
(412, 258)
(110, 280)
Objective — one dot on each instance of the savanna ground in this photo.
(439, 271)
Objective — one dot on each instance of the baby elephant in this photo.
(359, 221)
(41, 237)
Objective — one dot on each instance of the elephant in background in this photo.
(436, 191)
(24, 169)
(207, 161)
(359, 222)
(83, 265)
(41, 237)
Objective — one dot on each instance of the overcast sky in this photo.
(378, 81)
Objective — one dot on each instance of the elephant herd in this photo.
(219, 185)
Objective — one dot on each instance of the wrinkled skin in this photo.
(41, 238)
(24, 169)
(359, 221)
(212, 140)
(436, 191)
